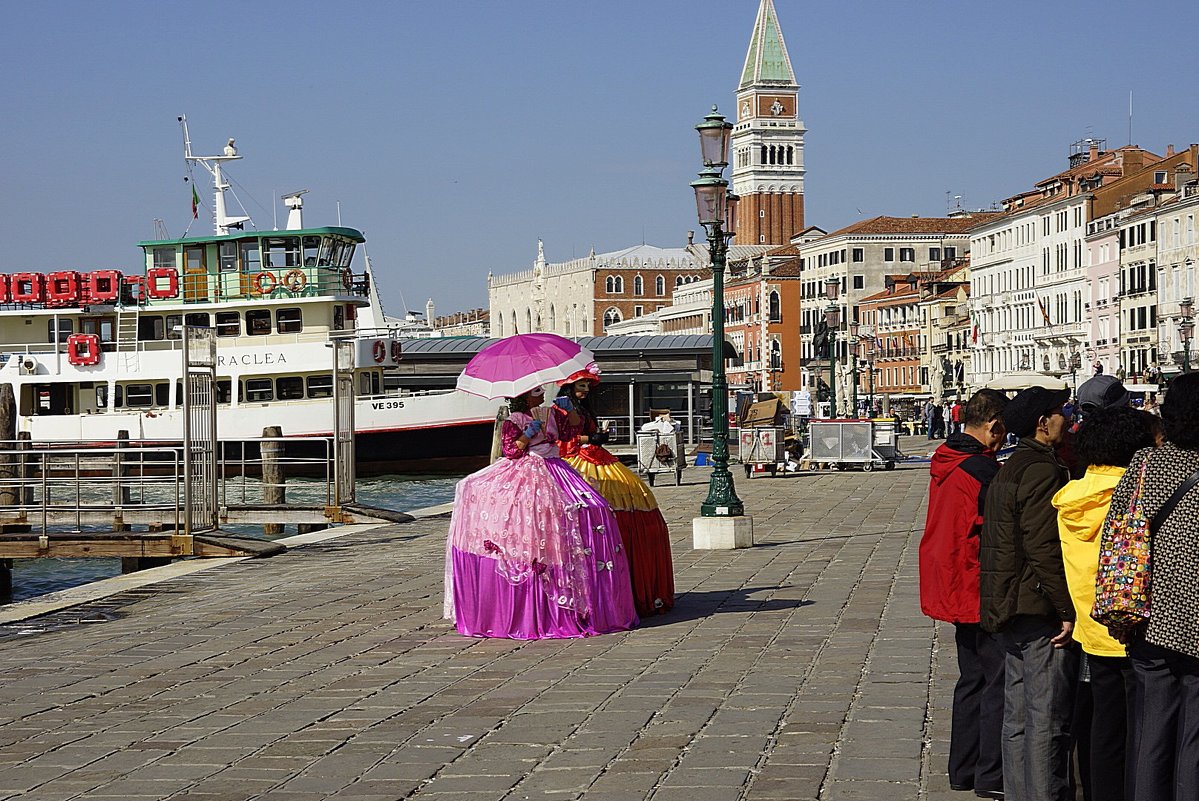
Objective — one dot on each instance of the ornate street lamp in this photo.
(712, 200)
(855, 342)
(832, 321)
(1186, 330)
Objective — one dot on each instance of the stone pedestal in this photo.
(722, 533)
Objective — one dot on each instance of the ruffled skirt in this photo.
(642, 527)
(534, 552)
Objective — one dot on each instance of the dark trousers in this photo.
(975, 756)
(1112, 691)
(1038, 706)
(1166, 722)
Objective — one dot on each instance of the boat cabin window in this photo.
(228, 324)
(64, 330)
(150, 327)
(102, 396)
(162, 395)
(193, 258)
(101, 326)
(320, 386)
(139, 395)
(289, 388)
(288, 321)
(370, 383)
(326, 254)
(224, 391)
(164, 258)
(312, 245)
(339, 318)
(282, 251)
(227, 257)
(174, 326)
(258, 322)
(197, 319)
(251, 262)
(259, 390)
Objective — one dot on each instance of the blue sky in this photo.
(457, 133)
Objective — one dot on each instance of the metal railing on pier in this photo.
(74, 486)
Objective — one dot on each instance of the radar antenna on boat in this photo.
(222, 222)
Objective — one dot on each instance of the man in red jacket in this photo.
(962, 469)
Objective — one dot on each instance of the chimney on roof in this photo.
(1169, 150)
(1093, 152)
(691, 238)
(1183, 174)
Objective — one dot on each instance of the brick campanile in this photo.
(767, 146)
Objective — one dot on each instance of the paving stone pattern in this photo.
(798, 669)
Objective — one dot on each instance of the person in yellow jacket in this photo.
(1105, 442)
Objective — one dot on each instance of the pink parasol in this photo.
(514, 365)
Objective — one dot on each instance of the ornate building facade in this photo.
(582, 297)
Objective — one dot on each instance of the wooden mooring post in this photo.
(274, 488)
(120, 486)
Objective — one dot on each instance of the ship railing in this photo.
(76, 486)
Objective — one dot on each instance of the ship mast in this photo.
(222, 222)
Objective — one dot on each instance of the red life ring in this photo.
(379, 351)
(83, 349)
(397, 350)
(28, 288)
(4, 288)
(103, 285)
(264, 283)
(156, 274)
(62, 288)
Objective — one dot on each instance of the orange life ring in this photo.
(152, 287)
(380, 351)
(295, 280)
(264, 283)
(83, 349)
(347, 278)
(396, 350)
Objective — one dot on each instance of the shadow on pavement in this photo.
(696, 605)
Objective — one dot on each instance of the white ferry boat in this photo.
(90, 354)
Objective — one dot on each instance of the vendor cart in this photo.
(660, 453)
(764, 446)
(865, 444)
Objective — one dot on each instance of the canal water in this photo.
(33, 577)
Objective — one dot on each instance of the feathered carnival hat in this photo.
(592, 374)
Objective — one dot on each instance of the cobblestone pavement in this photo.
(798, 669)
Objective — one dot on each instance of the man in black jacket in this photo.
(1024, 599)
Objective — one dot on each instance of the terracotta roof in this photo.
(916, 225)
(788, 269)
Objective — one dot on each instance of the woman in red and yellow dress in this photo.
(642, 527)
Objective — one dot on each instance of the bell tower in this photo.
(767, 142)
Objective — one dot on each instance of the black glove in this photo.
(598, 438)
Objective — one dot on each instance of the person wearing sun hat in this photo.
(642, 526)
(1024, 599)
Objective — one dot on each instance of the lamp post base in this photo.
(722, 533)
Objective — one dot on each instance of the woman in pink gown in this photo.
(533, 550)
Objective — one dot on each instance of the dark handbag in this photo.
(663, 453)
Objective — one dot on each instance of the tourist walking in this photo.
(1024, 598)
(1165, 651)
(1104, 446)
(533, 551)
(642, 527)
(961, 471)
